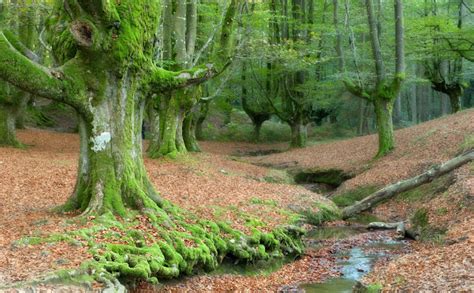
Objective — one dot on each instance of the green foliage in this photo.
(242, 130)
(350, 197)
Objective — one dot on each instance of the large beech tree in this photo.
(106, 49)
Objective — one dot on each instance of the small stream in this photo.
(354, 263)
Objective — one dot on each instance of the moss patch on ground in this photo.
(427, 191)
(350, 197)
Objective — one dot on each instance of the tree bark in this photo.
(401, 186)
(299, 135)
(455, 101)
(7, 126)
(154, 121)
(111, 173)
(189, 132)
(257, 127)
(383, 113)
(180, 145)
(169, 121)
(203, 112)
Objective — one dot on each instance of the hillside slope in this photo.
(417, 148)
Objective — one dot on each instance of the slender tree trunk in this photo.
(189, 132)
(362, 118)
(299, 135)
(383, 113)
(169, 121)
(414, 104)
(180, 145)
(257, 130)
(154, 127)
(444, 105)
(455, 101)
(398, 109)
(21, 112)
(203, 112)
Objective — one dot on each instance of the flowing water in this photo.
(355, 263)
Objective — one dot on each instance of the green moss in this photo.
(374, 288)
(420, 219)
(427, 191)
(260, 201)
(326, 213)
(183, 244)
(125, 30)
(350, 197)
(428, 233)
(468, 143)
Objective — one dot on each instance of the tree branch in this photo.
(163, 80)
(20, 47)
(356, 90)
(27, 75)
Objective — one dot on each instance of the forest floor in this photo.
(223, 182)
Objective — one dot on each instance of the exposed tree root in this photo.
(168, 242)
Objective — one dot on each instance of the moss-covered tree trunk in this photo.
(257, 129)
(385, 91)
(154, 136)
(299, 135)
(111, 172)
(169, 117)
(174, 137)
(455, 101)
(104, 77)
(7, 126)
(189, 131)
(384, 117)
(180, 145)
(202, 115)
(21, 112)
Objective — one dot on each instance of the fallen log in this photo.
(405, 185)
(402, 231)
